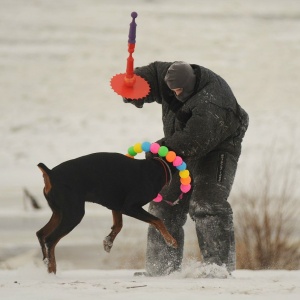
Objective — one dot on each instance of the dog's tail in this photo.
(46, 174)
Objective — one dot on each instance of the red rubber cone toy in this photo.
(130, 85)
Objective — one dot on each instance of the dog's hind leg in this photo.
(140, 214)
(46, 230)
(69, 220)
(116, 228)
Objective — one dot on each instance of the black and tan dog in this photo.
(116, 181)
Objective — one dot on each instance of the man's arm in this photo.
(203, 132)
(154, 74)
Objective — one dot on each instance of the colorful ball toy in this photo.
(171, 157)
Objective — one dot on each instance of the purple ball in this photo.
(134, 14)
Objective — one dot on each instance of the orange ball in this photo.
(170, 156)
(186, 180)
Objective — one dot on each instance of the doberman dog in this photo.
(120, 183)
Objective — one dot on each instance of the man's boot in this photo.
(216, 239)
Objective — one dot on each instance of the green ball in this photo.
(131, 151)
(163, 151)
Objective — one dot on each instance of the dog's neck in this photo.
(167, 169)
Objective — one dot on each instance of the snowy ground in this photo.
(56, 62)
(31, 283)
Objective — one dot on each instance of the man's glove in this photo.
(137, 103)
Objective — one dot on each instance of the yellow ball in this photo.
(184, 174)
(138, 148)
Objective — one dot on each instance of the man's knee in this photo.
(172, 216)
(209, 202)
(212, 185)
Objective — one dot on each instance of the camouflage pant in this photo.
(207, 205)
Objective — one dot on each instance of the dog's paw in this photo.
(172, 243)
(46, 261)
(107, 244)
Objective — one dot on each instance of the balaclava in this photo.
(181, 75)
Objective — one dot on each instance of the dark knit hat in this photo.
(181, 75)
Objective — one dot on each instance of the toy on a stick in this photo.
(129, 85)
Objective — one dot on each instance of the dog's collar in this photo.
(166, 167)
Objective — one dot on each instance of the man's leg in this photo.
(160, 258)
(211, 211)
(216, 240)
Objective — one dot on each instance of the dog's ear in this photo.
(47, 181)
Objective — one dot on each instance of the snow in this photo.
(32, 283)
(56, 62)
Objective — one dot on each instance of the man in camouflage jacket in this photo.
(204, 124)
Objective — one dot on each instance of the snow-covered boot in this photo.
(216, 239)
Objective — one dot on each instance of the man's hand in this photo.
(136, 103)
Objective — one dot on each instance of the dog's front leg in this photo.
(116, 228)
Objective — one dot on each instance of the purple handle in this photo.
(132, 29)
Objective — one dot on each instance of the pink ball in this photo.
(154, 148)
(158, 198)
(185, 188)
(177, 161)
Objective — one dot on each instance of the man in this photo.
(204, 124)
